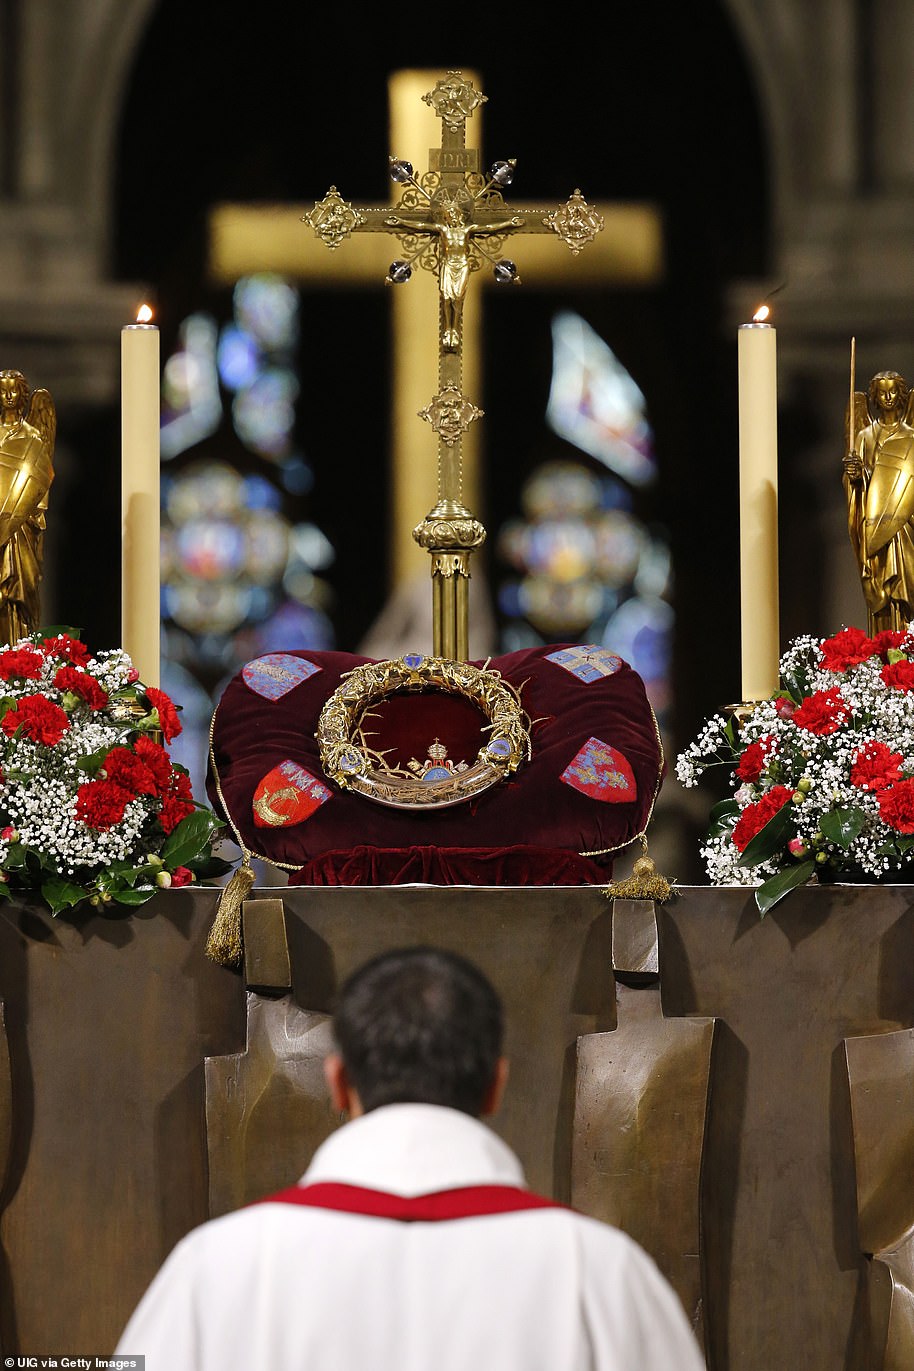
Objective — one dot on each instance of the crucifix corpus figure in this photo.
(449, 221)
(456, 234)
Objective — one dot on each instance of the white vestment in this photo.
(281, 1287)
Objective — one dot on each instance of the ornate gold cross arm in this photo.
(333, 219)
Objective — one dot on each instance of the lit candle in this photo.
(140, 613)
(758, 507)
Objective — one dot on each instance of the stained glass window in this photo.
(243, 568)
(585, 561)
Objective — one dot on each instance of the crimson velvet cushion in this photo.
(586, 793)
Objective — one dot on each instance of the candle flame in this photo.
(761, 314)
(143, 314)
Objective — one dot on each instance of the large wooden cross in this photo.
(450, 220)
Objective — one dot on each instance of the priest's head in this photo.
(418, 1026)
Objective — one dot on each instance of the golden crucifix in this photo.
(450, 221)
(249, 237)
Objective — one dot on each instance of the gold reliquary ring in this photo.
(344, 733)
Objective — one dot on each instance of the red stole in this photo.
(467, 1202)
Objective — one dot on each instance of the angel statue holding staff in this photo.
(28, 427)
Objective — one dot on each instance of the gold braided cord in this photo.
(645, 882)
(225, 943)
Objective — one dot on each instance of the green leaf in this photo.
(122, 876)
(768, 839)
(60, 894)
(722, 808)
(38, 865)
(776, 887)
(722, 817)
(5, 892)
(92, 762)
(898, 846)
(188, 839)
(205, 868)
(797, 686)
(842, 825)
(123, 868)
(133, 897)
(15, 857)
(894, 656)
(60, 631)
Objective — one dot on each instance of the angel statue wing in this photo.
(861, 417)
(43, 416)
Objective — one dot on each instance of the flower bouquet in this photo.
(91, 806)
(822, 772)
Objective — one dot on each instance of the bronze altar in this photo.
(762, 1066)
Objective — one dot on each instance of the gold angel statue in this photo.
(28, 428)
(879, 485)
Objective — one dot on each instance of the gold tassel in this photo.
(224, 944)
(645, 882)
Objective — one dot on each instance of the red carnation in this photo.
(754, 817)
(177, 803)
(887, 640)
(40, 719)
(180, 784)
(823, 712)
(168, 715)
(898, 675)
(752, 762)
(156, 760)
(82, 684)
(875, 766)
(23, 662)
(71, 649)
(848, 648)
(896, 806)
(101, 804)
(129, 772)
(173, 811)
(181, 875)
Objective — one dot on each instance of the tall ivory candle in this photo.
(758, 508)
(140, 613)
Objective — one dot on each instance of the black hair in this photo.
(419, 1025)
